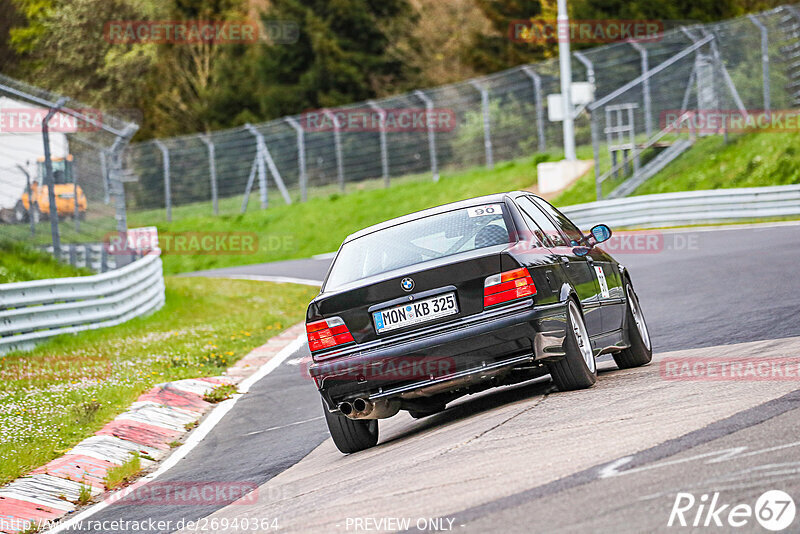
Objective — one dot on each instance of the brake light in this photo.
(327, 333)
(507, 286)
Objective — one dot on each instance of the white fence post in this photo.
(212, 171)
(167, 186)
(431, 135)
(487, 130)
(384, 150)
(537, 94)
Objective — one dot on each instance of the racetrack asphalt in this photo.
(526, 458)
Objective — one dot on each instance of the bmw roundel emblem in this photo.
(407, 284)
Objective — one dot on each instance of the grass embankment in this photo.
(65, 390)
(319, 225)
(19, 263)
(752, 160)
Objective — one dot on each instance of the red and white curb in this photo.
(150, 424)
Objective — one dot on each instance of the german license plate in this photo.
(415, 312)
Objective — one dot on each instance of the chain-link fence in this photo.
(646, 95)
(636, 124)
(60, 173)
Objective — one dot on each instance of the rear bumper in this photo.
(444, 357)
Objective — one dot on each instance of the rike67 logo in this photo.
(774, 510)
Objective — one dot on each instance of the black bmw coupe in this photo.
(420, 310)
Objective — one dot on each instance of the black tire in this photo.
(572, 371)
(640, 352)
(350, 435)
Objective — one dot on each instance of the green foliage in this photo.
(220, 393)
(751, 160)
(343, 54)
(496, 51)
(347, 51)
(85, 494)
(66, 389)
(122, 474)
(9, 17)
(20, 263)
(675, 10)
(86, 66)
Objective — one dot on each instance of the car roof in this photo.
(477, 201)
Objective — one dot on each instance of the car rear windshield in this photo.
(420, 240)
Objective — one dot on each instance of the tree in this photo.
(497, 51)
(343, 54)
(9, 17)
(65, 51)
(190, 76)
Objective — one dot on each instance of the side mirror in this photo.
(601, 233)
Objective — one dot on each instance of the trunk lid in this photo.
(462, 274)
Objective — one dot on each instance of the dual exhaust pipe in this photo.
(362, 408)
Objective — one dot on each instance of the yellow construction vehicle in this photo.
(67, 193)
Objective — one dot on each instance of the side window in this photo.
(566, 225)
(534, 228)
(531, 212)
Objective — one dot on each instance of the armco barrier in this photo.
(692, 207)
(32, 311)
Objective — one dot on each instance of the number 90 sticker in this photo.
(483, 211)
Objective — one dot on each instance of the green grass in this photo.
(748, 160)
(220, 393)
(319, 225)
(753, 160)
(65, 390)
(20, 263)
(119, 475)
(85, 493)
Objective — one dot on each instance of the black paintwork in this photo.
(474, 337)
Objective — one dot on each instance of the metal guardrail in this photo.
(92, 256)
(692, 207)
(36, 310)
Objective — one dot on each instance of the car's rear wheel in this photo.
(351, 435)
(578, 369)
(640, 352)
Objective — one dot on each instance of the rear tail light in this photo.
(507, 286)
(327, 333)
